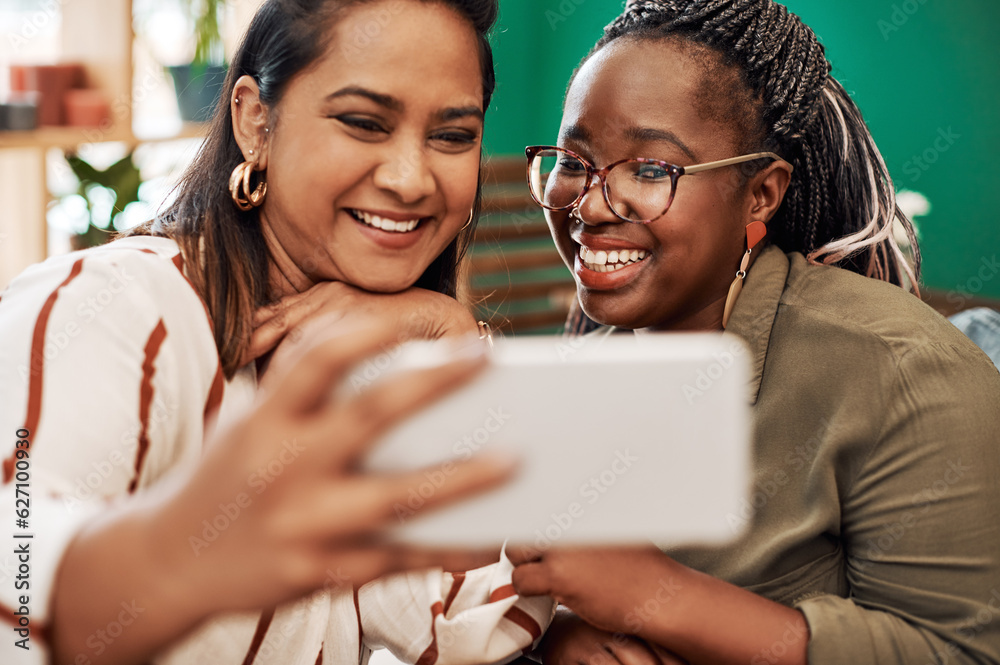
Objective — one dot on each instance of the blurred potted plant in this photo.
(118, 185)
(199, 83)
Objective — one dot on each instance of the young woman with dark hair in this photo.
(711, 175)
(171, 503)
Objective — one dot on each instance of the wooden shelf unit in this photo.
(98, 34)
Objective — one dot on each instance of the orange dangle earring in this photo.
(755, 233)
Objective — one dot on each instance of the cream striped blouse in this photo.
(108, 375)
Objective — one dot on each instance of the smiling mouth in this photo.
(392, 226)
(602, 261)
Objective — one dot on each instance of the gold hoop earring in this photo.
(755, 233)
(239, 187)
(472, 215)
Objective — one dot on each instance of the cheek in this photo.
(459, 180)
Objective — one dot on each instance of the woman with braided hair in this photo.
(704, 140)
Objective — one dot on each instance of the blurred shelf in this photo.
(68, 138)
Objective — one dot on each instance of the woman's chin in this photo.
(609, 318)
(382, 283)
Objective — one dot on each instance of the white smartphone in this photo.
(623, 438)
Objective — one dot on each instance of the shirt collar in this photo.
(753, 315)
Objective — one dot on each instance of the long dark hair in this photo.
(840, 206)
(223, 248)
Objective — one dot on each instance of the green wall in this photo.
(926, 74)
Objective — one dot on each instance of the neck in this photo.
(285, 277)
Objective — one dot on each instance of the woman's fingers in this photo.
(387, 501)
(449, 482)
(353, 567)
(666, 657)
(630, 651)
(308, 383)
(532, 579)
(273, 322)
(521, 554)
(395, 398)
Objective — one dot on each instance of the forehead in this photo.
(654, 84)
(402, 48)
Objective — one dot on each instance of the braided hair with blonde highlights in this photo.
(840, 207)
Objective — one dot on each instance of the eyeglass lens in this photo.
(639, 191)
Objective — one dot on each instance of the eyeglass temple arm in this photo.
(732, 160)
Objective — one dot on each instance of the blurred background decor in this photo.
(198, 84)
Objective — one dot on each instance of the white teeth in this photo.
(389, 225)
(602, 261)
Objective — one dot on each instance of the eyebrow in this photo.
(457, 113)
(644, 134)
(576, 133)
(636, 134)
(393, 104)
(388, 101)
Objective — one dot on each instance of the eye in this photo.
(454, 139)
(651, 171)
(363, 124)
(571, 165)
(646, 171)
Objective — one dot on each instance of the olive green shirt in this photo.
(876, 505)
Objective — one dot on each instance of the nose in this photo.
(407, 175)
(593, 208)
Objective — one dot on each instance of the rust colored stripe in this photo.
(146, 397)
(319, 656)
(456, 584)
(258, 636)
(357, 613)
(214, 394)
(7, 615)
(522, 619)
(505, 591)
(41, 631)
(37, 363)
(430, 654)
(178, 261)
(218, 383)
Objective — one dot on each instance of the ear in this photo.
(250, 121)
(767, 190)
